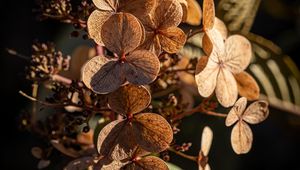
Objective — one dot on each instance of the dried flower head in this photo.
(226, 59)
(161, 28)
(241, 135)
(138, 67)
(108, 8)
(119, 139)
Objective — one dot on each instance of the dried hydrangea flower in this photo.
(119, 139)
(138, 67)
(206, 140)
(241, 135)
(161, 28)
(108, 8)
(226, 59)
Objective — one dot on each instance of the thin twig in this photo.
(60, 105)
(15, 53)
(192, 158)
(211, 113)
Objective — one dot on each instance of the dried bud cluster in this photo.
(46, 61)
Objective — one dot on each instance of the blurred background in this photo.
(276, 141)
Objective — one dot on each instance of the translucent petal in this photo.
(141, 67)
(95, 23)
(206, 80)
(256, 112)
(106, 5)
(238, 53)
(226, 89)
(172, 39)
(241, 138)
(122, 33)
(236, 111)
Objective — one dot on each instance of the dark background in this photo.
(276, 141)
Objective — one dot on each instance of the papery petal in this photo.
(172, 39)
(122, 33)
(247, 86)
(95, 23)
(256, 112)
(141, 67)
(241, 138)
(208, 14)
(236, 111)
(206, 80)
(106, 5)
(226, 89)
(238, 53)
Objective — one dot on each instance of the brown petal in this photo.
(208, 14)
(102, 75)
(241, 138)
(95, 23)
(256, 112)
(147, 163)
(152, 132)
(184, 6)
(141, 67)
(238, 53)
(247, 86)
(106, 5)
(194, 13)
(202, 62)
(151, 43)
(122, 33)
(206, 140)
(43, 164)
(80, 163)
(206, 80)
(236, 111)
(226, 89)
(138, 8)
(168, 13)
(129, 99)
(172, 39)
(116, 141)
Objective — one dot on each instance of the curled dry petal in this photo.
(116, 141)
(141, 67)
(241, 138)
(168, 13)
(194, 13)
(256, 112)
(122, 33)
(80, 163)
(129, 99)
(184, 6)
(236, 111)
(206, 80)
(95, 23)
(147, 163)
(226, 89)
(106, 5)
(247, 86)
(202, 62)
(208, 14)
(102, 75)
(172, 39)
(152, 132)
(238, 53)
(206, 140)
